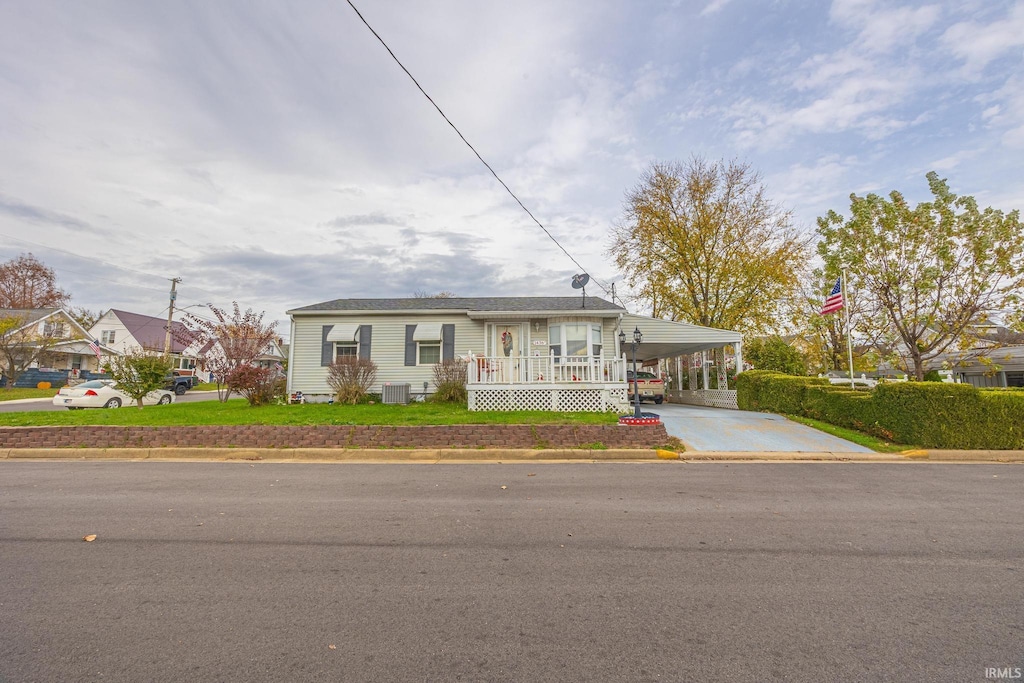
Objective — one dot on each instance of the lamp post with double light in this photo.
(637, 338)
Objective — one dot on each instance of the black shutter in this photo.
(326, 347)
(447, 342)
(365, 332)
(410, 345)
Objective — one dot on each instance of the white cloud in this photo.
(977, 44)
(714, 7)
(237, 142)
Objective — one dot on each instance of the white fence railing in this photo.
(545, 369)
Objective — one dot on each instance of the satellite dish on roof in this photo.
(580, 282)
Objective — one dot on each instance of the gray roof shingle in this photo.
(555, 304)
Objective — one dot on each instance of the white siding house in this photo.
(548, 353)
(120, 332)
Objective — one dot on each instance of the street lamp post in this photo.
(637, 338)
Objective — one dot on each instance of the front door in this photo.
(507, 345)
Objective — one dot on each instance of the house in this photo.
(44, 341)
(120, 332)
(542, 353)
(1002, 367)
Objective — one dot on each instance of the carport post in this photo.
(738, 346)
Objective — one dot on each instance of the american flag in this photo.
(834, 300)
(95, 346)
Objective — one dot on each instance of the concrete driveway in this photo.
(721, 429)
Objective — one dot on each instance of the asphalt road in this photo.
(510, 572)
(47, 403)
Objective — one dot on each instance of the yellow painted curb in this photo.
(667, 455)
(922, 455)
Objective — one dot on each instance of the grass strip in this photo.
(860, 438)
(238, 412)
(18, 393)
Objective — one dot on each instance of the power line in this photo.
(463, 138)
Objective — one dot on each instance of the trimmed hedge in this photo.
(930, 414)
(773, 391)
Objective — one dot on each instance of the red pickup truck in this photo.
(650, 386)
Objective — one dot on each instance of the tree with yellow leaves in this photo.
(702, 243)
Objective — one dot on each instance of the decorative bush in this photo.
(259, 386)
(450, 382)
(772, 353)
(351, 378)
(930, 414)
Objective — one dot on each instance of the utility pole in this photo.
(170, 316)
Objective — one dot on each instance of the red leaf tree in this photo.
(228, 343)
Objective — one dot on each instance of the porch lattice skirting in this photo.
(566, 398)
(713, 398)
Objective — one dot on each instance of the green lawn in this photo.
(18, 393)
(866, 440)
(237, 411)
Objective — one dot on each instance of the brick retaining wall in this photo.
(336, 436)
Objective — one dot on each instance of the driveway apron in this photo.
(721, 429)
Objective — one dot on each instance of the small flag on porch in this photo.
(834, 300)
(95, 346)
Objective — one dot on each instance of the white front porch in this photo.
(553, 383)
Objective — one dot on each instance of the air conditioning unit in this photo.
(395, 393)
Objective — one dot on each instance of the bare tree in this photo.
(26, 283)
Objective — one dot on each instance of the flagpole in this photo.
(849, 340)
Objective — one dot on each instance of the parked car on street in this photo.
(103, 393)
(650, 386)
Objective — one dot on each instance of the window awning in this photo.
(345, 332)
(427, 332)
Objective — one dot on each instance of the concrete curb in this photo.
(438, 455)
(426, 455)
(801, 456)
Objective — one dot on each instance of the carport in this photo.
(690, 349)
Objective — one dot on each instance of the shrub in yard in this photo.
(351, 378)
(138, 372)
(259, 386)
(773, 391)
(450, 382)
(930, 414)
(772, 353)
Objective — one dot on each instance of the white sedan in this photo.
(103, 393)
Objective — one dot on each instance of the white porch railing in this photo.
(545, 369)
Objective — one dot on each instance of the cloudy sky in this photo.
(274, 154)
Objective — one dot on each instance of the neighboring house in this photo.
(546, 353)
(1004, 367)
(46, 339)
(272, 357)
(121, 332)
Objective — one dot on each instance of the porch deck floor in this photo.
(721, 429)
